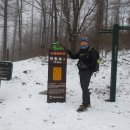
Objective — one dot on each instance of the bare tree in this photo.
(20, 9)
(5, 30)
(99, 20)
(15, 31)
(117, 10)
(55, 10)
(72, 10)
(42, 4)
(59, 20)
(32, 22)
(106, 13)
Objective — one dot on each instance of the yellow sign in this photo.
(57, 73)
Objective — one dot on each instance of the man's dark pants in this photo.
(85, 76)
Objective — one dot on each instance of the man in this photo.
(86, 64)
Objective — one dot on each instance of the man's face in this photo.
(84, 43)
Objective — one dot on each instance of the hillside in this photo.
(23, 108)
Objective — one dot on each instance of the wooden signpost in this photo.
(57, 62)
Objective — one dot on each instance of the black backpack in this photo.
(98, 60)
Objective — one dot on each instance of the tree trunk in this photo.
(51, 33)
(99, 21)
(31, 44)
(20, 8)
(106, 19)
(117, 12)
(15, 31)
(5, 30)
(55, 10)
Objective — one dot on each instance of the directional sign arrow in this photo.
(124, 27)
(106, 31)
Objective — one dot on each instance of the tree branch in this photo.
(39, 3)
(88, 13)
(32, 5)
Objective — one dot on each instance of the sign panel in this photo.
(57, 76)
(124, 27)
(57, 73)
(106, 31)
(6, 70)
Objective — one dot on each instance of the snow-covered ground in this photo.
(23, 108)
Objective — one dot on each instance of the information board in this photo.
(57, 76)
(6, 70)
(57, 72)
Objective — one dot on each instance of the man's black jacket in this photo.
(86, 56)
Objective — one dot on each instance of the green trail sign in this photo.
(124, 27)
(115, 41)
(106, 31)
